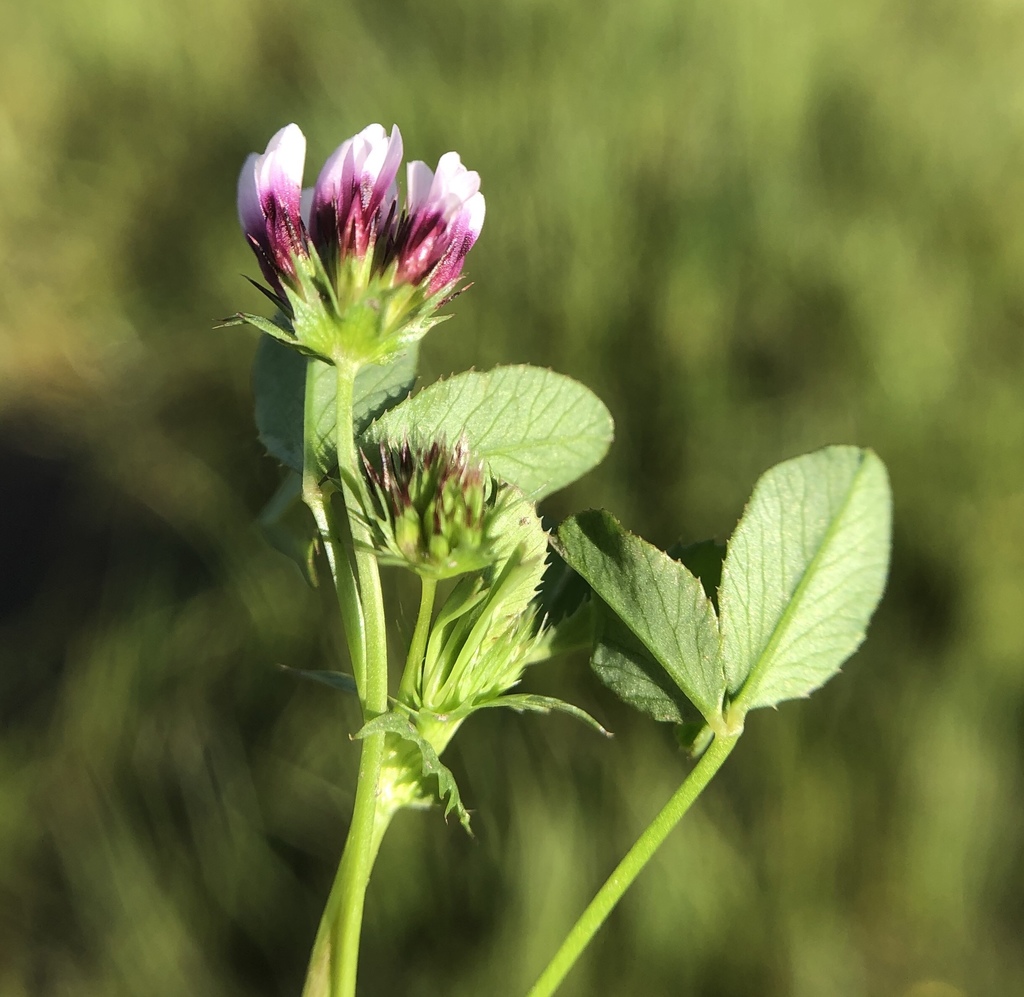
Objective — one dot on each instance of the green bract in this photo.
(409, 760)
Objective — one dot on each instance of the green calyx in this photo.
(358, 317)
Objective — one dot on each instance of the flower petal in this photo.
(393, 158)
(279, 169)
(419, 178)
(355, 189)
(475, 210)
(250, 211)
(444, 214)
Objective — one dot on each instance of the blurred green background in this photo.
(753, 229)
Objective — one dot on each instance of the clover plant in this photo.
(443, 482)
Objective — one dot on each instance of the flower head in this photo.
(365, 279)
(490, 624)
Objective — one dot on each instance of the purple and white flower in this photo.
(443, 217)
(356, 196)
(269, 204)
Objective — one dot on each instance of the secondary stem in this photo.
(629, 868)
(418, 646)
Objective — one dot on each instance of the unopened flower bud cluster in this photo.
(430, 507)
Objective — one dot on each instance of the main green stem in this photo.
(629, 868)
(336, 537)
(333, 965)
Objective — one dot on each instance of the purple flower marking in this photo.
(355, 194)
(269, 196)
(443, 218)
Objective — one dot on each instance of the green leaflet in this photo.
(623, 664)
(656, 597)
(804, 571)
(535, 429)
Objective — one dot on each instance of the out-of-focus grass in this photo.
(753, 229)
